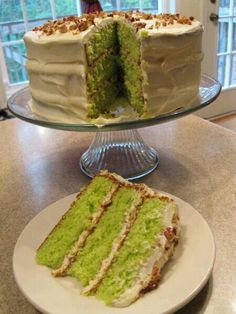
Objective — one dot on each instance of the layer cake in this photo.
(80, 66)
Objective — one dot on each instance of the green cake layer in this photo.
(104, 38)
(103, 69)
(113, 54)
(102, 75)
(99, 244)
(59, 242)
(103, 99)
(138, 246)
(130, 61)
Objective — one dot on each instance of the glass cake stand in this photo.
(117, 147)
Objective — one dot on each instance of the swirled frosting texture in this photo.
(171, 53)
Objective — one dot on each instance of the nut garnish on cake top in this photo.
(77, 24)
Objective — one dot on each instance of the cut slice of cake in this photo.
(115, 239)
(147, 248)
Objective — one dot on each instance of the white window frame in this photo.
(6, 89)
(229, 53)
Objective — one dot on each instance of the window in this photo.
(143, 5)
(19, 16)
(226, 56)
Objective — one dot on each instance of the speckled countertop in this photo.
(198, 164)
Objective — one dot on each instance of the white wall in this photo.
(190, 8)
(3, 78)
(3, 100)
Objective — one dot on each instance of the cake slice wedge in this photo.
(147, 248)
(115, 239)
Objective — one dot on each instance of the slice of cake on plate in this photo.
(115, 239)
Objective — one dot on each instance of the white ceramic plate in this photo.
(183, 277)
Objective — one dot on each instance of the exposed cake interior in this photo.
(79, 217)
(138, 246)
(102, 75)
(114, 67)
(130, 63)
(100, 243)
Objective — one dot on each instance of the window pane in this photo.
(108, 5)
(10, 10)
(233, 70)
(15, 57)
(221, 69)
(12, 31)
(38, 12)
(147, 5)
(129, 4)
(66, 7)
(224, 7)
(234, 7)
(39, 9)
(223, 35)
(11, 20)
(234, 35)
(150, 6)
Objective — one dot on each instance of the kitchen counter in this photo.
(39, 166)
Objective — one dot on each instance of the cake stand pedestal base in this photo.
(123, 152)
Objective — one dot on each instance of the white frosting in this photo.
(57, 68)
(171, 66)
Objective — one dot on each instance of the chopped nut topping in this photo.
(75, 24)
(62, 29)
(139, 25)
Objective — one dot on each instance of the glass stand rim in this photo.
(19, 105)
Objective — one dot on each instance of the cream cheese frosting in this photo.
(171, 56)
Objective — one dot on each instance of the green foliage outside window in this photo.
(10, 10)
